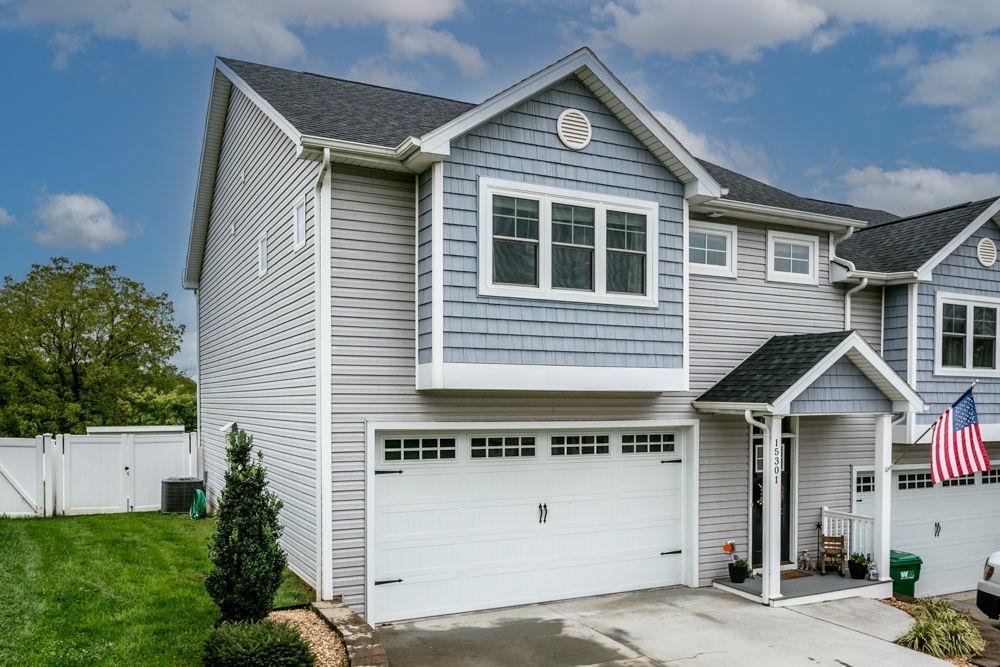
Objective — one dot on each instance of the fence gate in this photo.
(22, 478)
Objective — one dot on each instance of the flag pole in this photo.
(920, 437)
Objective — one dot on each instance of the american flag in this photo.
(957, 443)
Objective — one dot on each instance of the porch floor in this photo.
(815, 588)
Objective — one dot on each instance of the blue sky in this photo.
(889, 104)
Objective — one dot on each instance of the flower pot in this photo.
(858, 570)
(737, 575)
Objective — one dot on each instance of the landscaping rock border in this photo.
(359, 637)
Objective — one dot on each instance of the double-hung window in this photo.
(548, 243)
(792, 258)
(712, 249)
(966, 335)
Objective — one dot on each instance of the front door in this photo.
(789, 433)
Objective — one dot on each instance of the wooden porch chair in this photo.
(832, 553)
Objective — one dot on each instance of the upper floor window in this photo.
(549, 243)
(792, 258)
(966, 335)
(712, 249)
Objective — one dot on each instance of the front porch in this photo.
(813, 587)
(813, 388)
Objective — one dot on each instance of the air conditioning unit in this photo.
(176, 494)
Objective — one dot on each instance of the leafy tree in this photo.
(244, 549)
(78, 344)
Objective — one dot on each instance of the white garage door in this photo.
(476, 521)
(951, 526)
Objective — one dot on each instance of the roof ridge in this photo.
(352, 81)
(915, 216)
(840, 203)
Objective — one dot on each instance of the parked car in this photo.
(988, 590)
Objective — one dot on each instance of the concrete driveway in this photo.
(659, 627)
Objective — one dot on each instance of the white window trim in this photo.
(799, 239)
(546, 197)
(729, 231)
(299, 243)
(970, 301)
(262, 255)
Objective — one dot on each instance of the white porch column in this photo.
(771, 519)
(883, 493)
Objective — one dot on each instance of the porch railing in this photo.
(858, 530)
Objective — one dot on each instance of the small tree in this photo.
(248, 561)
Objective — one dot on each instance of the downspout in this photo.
(849, 265)
(324, 379)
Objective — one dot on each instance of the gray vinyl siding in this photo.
(521, 145)
(373, 367)
(866, 316)
(841, 389)
(257, 335)
(731, 318)
(895, 332)
(828, 447)
(960, 273)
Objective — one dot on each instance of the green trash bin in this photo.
(904, 568)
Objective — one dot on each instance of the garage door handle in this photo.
(670, 553)
(389, 581)
(546, 508)
(937, 529)
(388, 472)
(539, 512)
(671, 461)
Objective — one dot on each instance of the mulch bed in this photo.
(324, 642)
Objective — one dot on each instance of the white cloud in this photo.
(6, 217)
(738, 156)
(914, 189)
(683, 27)
(904, 56)
(418, 41)
(79, 220)
(65, 45)
(261, 29)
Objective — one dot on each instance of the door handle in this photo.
(546, 508)
(539, 512)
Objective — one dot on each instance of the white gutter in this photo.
(777, 214)
(847, 302)
(324, 379)
(849, 265)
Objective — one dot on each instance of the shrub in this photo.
(264, 644)
(942, 631)
(244, 549)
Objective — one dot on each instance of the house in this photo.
(940, 293)
(532, 348)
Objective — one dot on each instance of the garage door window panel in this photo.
(647, 443)
(581, 445)
(991, 476)
(914, 480)
(502, 447)
(416, 448)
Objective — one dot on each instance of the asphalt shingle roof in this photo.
(776, 365)
(906, 244)
(346, 110)
(334, 108)
(746, 189)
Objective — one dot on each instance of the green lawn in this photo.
(116, 589)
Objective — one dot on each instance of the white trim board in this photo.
(926, 269)
(530, 377)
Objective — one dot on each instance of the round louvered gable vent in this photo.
(573, 128)
(987, 252)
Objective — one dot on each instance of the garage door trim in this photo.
(687, 450)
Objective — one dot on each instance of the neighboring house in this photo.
(941, 296)
(530, 349)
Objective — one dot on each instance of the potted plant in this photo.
(738, 571)
(858, 565)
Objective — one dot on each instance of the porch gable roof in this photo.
(784, 367)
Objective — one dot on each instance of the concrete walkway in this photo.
(659, 627)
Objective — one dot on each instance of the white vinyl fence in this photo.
(91, 474)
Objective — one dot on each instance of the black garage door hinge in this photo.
(388, 581)
(388, 472)
(671, 553)
(671, 461)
